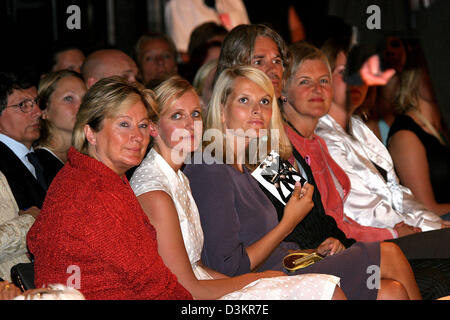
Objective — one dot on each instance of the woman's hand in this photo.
(329, 247)
(299, 205)
(371, 72)
(403, 229)
(33, 211)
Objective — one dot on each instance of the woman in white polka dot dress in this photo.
(164, 193)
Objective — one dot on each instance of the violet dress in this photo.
(235, 213)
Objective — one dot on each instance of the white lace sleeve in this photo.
(13, 237)
(13, 228)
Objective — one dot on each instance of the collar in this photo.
(19, 149)
(153, 155)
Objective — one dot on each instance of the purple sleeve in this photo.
(212, 188)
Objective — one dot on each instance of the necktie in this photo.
(38, 168)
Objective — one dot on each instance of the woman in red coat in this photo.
(92, 233)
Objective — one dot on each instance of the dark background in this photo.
(29, 28)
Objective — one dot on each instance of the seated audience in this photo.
(163, 192)
(19, 128)
(307, 97)
(91, 220)
(106, 63)
(59, 95)
(14, 225)
(376, 198)
(240, 224)
(418, 142)
(270, 55)
(156, 57)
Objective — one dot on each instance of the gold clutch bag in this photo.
(298, 260)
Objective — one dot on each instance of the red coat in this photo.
(91, 221)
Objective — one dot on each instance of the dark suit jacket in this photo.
(26, 189)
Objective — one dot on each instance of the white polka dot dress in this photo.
(155, 173)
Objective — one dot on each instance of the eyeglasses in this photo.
(26, 105)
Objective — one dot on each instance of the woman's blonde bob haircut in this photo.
(219, 99)
(105, 99)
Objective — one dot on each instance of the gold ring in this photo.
(7, 286)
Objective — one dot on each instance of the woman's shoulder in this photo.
(211, 177)
(403, 122)
(149, 177)
(204, 169)
(46, 156)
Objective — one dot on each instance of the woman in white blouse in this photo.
(376, 198)
(165, 195)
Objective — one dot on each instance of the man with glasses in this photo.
(19, 128)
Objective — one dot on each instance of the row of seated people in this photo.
(92, 219)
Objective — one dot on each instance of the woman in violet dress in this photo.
(240, 224)
(164, 193)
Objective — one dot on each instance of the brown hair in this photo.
(238, 45)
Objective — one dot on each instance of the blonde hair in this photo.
(202, 74)
(223, 88)
(105, 99)
(170, 91)
(407, 95)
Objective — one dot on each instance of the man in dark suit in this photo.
(19, 128)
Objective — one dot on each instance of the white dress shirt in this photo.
(372, 201)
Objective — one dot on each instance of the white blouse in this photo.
(154, 174)
(372, 201)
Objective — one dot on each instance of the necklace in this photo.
(293, 128)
